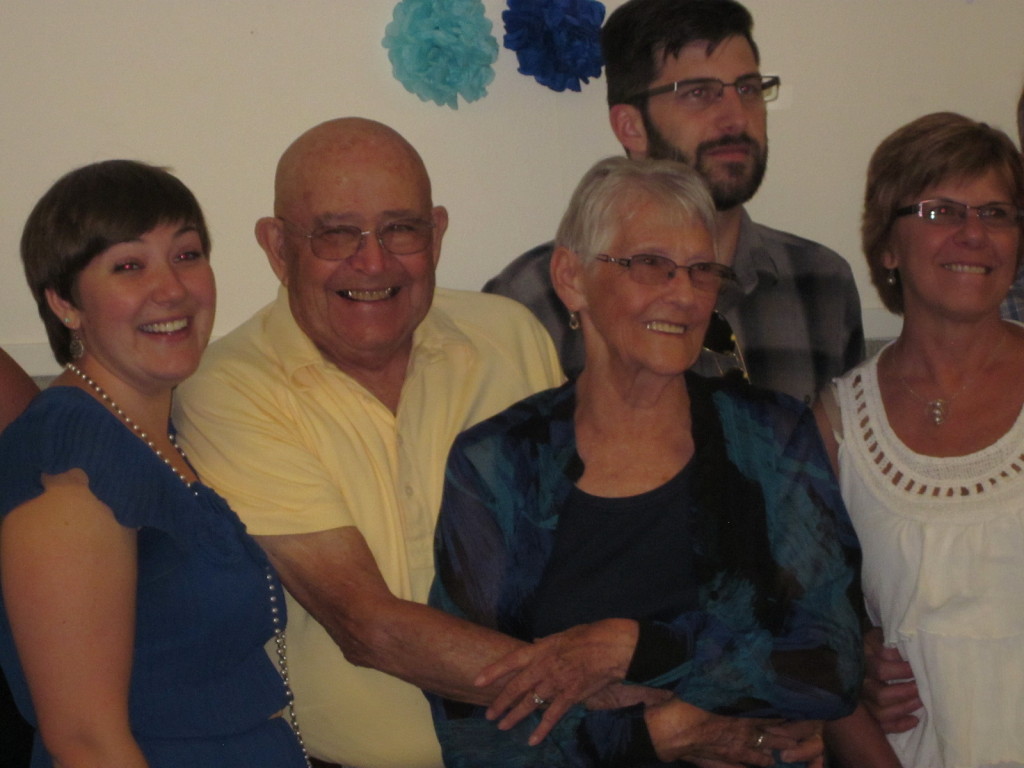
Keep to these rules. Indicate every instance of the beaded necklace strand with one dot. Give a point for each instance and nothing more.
(108, 401)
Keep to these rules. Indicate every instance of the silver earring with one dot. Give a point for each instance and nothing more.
(891, 279)
(574, 320)
(76, 348)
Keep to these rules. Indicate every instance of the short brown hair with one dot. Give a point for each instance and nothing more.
(939, 147)
(640, 34)
(86, 212)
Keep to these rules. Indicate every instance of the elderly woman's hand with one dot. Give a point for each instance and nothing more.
(559, 671)
(681, 731)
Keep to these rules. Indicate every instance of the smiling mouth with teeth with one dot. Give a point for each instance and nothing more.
(377, 295)
(168, 327)
(663, 327)
(972, 269)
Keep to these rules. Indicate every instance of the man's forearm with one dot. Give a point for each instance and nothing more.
(333, 575)
(431, 649)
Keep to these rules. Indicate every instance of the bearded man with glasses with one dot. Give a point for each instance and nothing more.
(684, 83)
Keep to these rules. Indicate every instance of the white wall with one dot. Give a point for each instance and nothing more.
(217, 88)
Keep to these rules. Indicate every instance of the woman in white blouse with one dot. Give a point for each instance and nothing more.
(928, 441)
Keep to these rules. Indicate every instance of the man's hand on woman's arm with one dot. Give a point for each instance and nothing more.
(581, 664)
(889, 693)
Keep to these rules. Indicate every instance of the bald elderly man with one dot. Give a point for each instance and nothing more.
(326, 419)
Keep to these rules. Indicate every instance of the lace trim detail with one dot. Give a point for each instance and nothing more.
(928, 476)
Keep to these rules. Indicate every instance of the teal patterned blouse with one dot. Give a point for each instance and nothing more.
(775, 629)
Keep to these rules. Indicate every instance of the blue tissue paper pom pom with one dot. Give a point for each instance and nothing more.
(556, 41)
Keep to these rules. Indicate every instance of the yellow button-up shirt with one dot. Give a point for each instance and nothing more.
(297, 446)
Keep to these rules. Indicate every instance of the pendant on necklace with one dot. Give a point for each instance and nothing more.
(937, 410)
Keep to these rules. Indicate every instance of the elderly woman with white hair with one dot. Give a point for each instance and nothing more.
(673, 548)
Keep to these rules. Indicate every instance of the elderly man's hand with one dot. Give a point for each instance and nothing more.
(890, 693)
(561, 670)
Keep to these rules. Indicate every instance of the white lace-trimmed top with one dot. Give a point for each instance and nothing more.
(943, 542)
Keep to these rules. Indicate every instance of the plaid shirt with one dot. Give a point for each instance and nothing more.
(1012, 307)
(795, 309)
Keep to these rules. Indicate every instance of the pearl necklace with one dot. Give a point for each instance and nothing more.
(275, 611)
(282, 662)
(131, 424)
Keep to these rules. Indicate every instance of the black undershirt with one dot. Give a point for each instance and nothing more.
(624, 557)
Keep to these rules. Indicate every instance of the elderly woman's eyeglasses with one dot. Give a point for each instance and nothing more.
(651, 269)
(338, 242)
(703, 92)
(950, 213)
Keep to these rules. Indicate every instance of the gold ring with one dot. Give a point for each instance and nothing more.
(538, 701)
(760, 740)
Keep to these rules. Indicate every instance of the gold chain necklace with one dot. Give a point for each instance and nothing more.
(938, 408)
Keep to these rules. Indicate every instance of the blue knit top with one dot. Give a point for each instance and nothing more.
(203, 691)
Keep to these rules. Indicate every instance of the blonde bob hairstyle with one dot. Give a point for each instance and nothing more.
(613, 185)
(937, 148)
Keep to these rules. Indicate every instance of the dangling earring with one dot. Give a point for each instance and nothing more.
(76, 348)
(891, 279)
(574, 320)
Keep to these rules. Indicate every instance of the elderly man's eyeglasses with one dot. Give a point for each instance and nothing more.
(703, 92)
(651, 269)
(338, 242)
(950, 213)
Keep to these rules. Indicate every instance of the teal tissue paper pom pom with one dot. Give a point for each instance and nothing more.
(442, 49)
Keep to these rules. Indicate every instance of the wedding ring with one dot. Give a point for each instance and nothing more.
(759, 741)
(538, 701)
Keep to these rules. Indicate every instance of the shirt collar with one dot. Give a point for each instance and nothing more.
(299, 357)
(752, 262)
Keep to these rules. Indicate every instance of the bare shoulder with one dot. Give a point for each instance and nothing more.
(66, 504)
(17, 387)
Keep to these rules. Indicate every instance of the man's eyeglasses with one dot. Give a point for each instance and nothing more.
(338, 242)
(703, 92)
(950, 213)
(650, 269)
